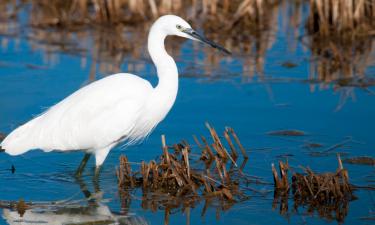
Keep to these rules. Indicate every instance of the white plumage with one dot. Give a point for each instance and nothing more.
(120, 107)
(94, 118)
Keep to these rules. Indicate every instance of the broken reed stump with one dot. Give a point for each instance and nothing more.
(281, 184)
(326, 193)
(323, 188)
(182, 178)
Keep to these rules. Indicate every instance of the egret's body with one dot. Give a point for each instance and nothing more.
(95, 118)
(117, 108)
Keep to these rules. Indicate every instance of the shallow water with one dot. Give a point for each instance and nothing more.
(35, 75)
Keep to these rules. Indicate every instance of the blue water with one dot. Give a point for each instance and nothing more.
(251, 106)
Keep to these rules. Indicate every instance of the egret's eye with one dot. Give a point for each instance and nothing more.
(179, 27)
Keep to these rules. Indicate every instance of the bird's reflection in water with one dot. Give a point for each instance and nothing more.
(91, 210)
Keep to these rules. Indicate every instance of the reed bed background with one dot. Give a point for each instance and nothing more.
(341, 38)
(103, 34)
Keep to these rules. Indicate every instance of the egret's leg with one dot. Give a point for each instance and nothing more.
(97, 172)
(100, 156)
(83, 187)
(91, 197)
(96, 179)
(82, 164)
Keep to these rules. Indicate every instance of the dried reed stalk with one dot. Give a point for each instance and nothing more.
(315, 187)
(338, 30)
(326, 193)
(179, 180)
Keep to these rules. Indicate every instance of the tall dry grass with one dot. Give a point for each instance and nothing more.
(327, 16)
(242, 25)
(8, 21)
(248, 28)
(105, 32)
(340, 36)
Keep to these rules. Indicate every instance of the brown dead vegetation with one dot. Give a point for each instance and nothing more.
(362, 160)
(340, 35)
(336, 33)
(287, 133)
(175, 174)
(181, 178)
(328, 194)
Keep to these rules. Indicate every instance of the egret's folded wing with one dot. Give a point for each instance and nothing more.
(93, 116)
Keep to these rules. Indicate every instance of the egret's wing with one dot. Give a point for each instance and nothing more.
(93, 116)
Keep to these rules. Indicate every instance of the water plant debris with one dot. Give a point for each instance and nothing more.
(181, 177)
(287, 133)
(182, 173)
(325, 193)
(363, 160)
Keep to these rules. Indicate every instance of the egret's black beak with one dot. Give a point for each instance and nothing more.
(203, 39)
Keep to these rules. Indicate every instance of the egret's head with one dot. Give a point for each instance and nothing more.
(174, 25)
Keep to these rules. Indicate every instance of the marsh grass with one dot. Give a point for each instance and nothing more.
(327, 194)
(339, 34)
(186, 175)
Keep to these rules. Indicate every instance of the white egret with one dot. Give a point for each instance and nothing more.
(119, 108)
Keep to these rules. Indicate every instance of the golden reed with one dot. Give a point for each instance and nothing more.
(104, 32)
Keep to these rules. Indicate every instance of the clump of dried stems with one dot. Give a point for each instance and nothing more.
(326, 193)
(181, 178)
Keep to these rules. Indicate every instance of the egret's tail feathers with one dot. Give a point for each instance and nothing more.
(18, 142)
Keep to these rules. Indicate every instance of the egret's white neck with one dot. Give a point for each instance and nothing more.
(165, 65)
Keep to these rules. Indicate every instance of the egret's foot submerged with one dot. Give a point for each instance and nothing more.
(91, 197)
(82, 165)
(83, 187)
